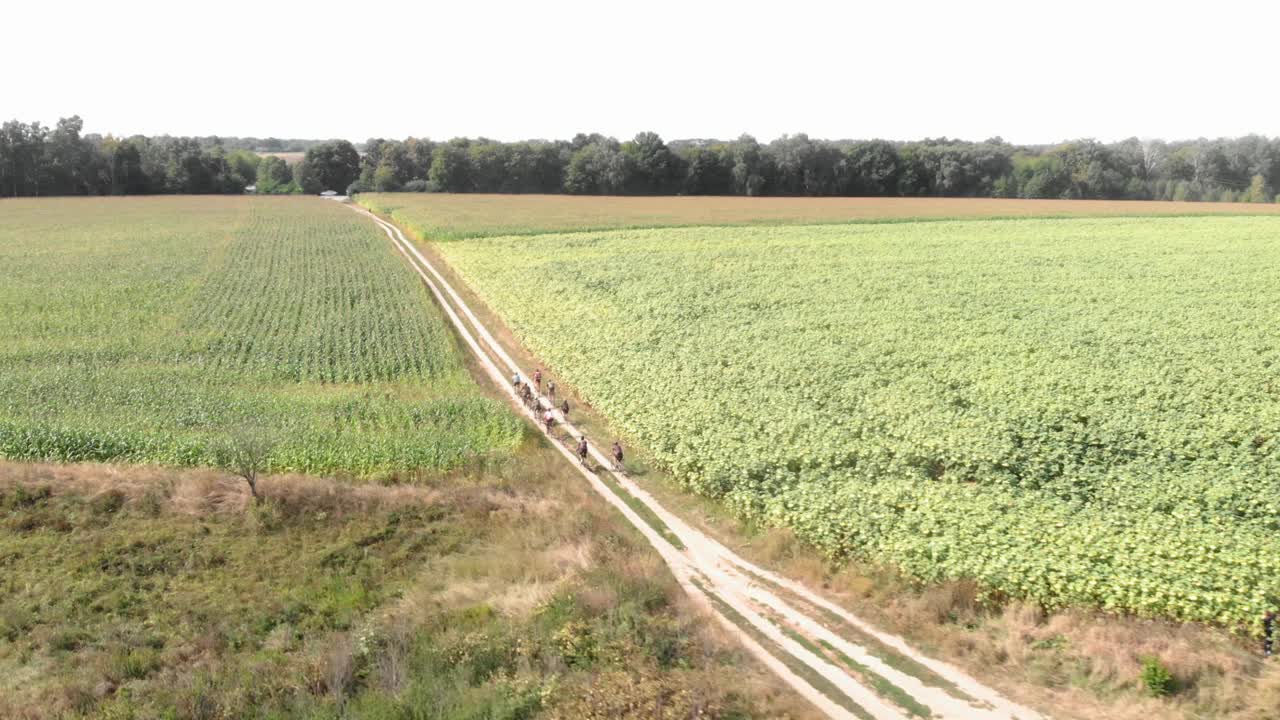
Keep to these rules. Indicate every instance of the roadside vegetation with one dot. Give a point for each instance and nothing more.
(137, 593)
(1076, 663)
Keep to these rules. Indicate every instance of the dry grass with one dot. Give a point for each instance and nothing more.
(290, 158)
(203, 492)
(522, 559)
(444, 216)
(1077, 664)
(533, 548)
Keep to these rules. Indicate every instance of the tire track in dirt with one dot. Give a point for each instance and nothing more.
(863, 673)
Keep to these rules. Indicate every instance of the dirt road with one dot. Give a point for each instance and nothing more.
(837, 661)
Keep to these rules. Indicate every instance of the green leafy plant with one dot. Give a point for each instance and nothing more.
(1156, 678)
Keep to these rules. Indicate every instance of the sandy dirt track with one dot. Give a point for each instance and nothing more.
(837, 661)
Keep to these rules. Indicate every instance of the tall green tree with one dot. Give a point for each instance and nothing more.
(598, 168)
(751, 169)
(21, 153)
(652, 169)
(873, 168)
(307, 179)
(333, 165)
(274, 175)
(244, 166)
(707, 171)
(451, 167)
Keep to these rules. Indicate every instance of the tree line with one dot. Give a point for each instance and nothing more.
(61, 160)
(36, 160)
(1241, 169)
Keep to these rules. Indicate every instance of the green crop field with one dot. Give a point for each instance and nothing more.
(1076, 411)
(149, 329)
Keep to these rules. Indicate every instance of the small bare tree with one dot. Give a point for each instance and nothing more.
(246, 453)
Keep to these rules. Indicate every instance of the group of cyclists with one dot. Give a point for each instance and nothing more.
(529, 394)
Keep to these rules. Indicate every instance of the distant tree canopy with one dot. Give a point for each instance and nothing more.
(331, 166)
(274, 175)
(1244, 169)
(38, 160)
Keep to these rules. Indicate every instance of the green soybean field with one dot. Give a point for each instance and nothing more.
(1077, 411)
(153, 329)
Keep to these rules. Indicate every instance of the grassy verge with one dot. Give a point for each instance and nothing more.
(865, 675)
(894, 659)
(642, 510)
(503, 593)
(881, 685)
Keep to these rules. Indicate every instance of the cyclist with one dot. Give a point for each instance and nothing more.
(551, 390)
(582, 449)
(515, 381)
(548, 419)
(537, 378)
(617, 455)
(564, 408)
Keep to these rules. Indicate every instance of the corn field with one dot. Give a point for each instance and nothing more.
(147, 329)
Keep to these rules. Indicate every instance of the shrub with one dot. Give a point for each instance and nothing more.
(108, 503)
(1156, 678)
(124, 665)
(638, 693)
(23, 497)
(15, 620)
(151, 503)
(576, 644)
(68, 640)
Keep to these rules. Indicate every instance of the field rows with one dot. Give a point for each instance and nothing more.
(144, 330)
(316, 302)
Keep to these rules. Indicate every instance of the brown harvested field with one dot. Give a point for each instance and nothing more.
(290, 158)
(453, 216)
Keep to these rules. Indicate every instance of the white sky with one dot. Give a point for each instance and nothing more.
(1028, 71)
